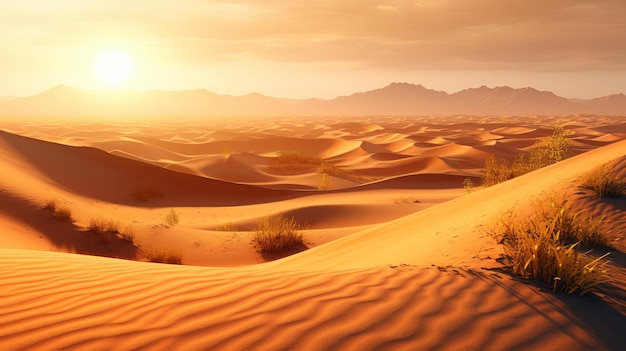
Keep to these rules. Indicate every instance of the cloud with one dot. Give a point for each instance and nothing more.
(389, 34)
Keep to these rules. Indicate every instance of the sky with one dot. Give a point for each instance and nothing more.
(316, 48)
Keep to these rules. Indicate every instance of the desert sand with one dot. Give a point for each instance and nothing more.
(399, 256)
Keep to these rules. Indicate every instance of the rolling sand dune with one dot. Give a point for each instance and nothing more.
(398, 256)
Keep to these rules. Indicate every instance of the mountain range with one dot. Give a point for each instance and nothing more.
(394, 99)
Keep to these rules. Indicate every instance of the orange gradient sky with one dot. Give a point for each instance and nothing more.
(317, 48)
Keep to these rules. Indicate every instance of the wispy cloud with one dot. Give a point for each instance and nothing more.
(405, 35)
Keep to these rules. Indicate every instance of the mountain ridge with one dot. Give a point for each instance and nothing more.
(397, 98)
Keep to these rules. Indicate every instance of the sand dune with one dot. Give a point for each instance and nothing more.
(399, 258)
(59, 301)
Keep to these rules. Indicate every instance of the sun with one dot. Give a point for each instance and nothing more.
(113, 67)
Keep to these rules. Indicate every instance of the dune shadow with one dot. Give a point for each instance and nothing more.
(97, 174)
(282, 254)
(64, 235)
(603, 318)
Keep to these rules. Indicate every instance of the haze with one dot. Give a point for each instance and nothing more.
(323, 49)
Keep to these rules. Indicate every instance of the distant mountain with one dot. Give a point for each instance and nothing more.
(394, 99)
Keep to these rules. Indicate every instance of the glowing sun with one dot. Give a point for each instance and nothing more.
(113, 67)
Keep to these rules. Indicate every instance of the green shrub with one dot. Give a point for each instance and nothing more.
(278, 234)
(604, 182)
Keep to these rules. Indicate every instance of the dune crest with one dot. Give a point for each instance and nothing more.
(399, 256)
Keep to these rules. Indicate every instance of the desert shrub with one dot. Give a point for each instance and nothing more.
(277, 234)
(468, 186)
(227, 227)
(325, 182)
(535, 248)
(546, 151)
(604, 182)
(60, 212)
(297, 156)
(404, 200)
(497, 170)
(128, 234)
(50, 204)
(106, 229)
(573, 227)
(331, 168)
(169, 256)
(554, 148)
(295, 160)
(63, 213)
(172, 217)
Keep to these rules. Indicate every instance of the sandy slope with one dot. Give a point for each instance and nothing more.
(400, 259)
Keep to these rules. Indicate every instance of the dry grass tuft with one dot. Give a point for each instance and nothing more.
(295, 160)
(404, 200)
(573, 227)
(60, 212)
(50, 204)
(227, 227)
(604, 182)
(106, 229)
(325, 182)
(546, 151)
(468, 186)
(128, 234)
(172, 217)
(540, 247)
(169, 256)
(63, 213)
(278, 234)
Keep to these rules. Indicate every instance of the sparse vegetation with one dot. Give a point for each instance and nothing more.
(404, 200)
(128, 234)
(573, 227)
(278, 234)
(497, 170)
(546, 151)
(604, 182)
(295, 160)
(63, 213)
(545, 246)
(106, 229)
(325, 182)
(227, 227)
(169, 256)
(172, 217)
(468, 186)
(50, 204)
(60, 212)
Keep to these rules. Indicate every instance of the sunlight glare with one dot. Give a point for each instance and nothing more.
(113, 67)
